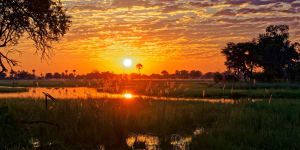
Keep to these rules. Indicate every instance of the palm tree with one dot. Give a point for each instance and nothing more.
(33, 72)
(139, 67)
(74, 73)
(66, 74)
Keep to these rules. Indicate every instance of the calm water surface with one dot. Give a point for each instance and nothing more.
(150, 142)
(85, 93)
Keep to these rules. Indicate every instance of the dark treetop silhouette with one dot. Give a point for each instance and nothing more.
(44, 21)
(272, 52)
(139, 67)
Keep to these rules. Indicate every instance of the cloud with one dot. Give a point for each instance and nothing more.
(192, 29)
(201, 4)
(130, 3)
(225, 12)
(173, 8)
(258, 2)
(296, 4)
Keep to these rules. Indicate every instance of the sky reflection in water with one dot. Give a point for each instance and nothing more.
(88, 93)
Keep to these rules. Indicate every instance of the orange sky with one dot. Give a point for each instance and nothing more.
(161, 34)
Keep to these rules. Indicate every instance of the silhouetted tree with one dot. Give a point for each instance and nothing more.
(63, 75)
(24, 75)
(272, 52)
(43, 21)
(277, 55)
(48, 76)
(195, 74)
(230, 77)
(296, 76)
(218, 77)
(56, 75)
(41, 75)
(208, 75)
(107, 75)
(134, 76)
(139, 67)
(165, 73)
(177, 74)
(71, 76)
(241, 58)
(2, 75)
(66, 71)
(184, 74)
(155, 76)
(33, 73)
(74, 72)
(94, 75)
(12, 74)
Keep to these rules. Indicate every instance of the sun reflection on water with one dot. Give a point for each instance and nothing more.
(128, 95)
(94, 93)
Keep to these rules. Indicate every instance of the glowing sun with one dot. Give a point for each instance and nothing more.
(127, 96)
(127, 62)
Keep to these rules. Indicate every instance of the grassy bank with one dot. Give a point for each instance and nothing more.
(172, 88)
(50, 83)
(12, 90)
(236, 94)
(87, 124)
(138, 84)
(206, 89)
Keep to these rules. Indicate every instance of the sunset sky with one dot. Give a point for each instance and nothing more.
(161, 34)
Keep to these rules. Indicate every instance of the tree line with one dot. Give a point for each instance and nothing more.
(178, 74)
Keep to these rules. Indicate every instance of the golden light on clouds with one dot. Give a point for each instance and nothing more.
(161, 34)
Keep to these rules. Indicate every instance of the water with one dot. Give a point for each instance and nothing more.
(86, 93)
(62, 93)
(134, 141)
(149, 142)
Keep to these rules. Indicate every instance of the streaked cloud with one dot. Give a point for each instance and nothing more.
(170, 29)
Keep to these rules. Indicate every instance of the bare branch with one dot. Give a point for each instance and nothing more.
(44, 21)
(8, 61)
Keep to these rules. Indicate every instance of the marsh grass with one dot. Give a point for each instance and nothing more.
(206, 89)
(12, 90)
(170, 88)
(50, 83)
(93, 123)
(90, 123)
(248, 86)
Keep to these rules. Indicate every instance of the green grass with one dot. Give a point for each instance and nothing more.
(87, 124)
(248, 86)
(257, 126)
(142, 83)
(236, 94)
(208, 89)
(12, 90)
(50, 83)
(172, 88)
